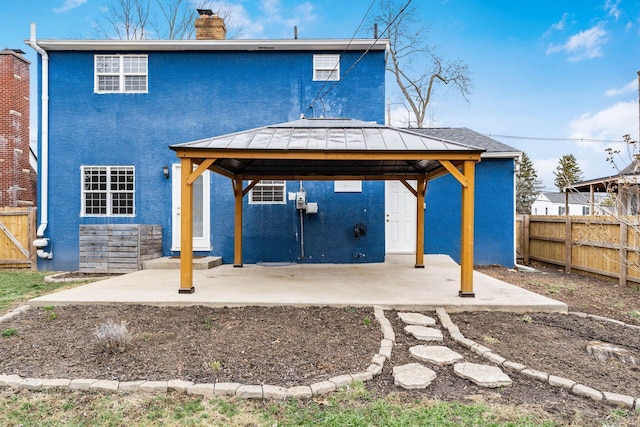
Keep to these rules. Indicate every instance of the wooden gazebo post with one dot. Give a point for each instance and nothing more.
(420, 193)
(237, 235)
(466, 235)
(186, 227)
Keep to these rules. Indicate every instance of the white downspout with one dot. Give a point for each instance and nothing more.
(42, 242)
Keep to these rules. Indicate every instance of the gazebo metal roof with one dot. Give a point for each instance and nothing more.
(328, 149)
(351, 147)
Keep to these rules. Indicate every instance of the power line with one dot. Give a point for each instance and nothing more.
(345, 50)
(548, 138)
(320, 94)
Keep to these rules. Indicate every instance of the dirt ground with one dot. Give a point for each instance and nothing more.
(291, 346)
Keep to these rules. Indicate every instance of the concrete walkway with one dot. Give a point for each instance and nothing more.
(394, 284)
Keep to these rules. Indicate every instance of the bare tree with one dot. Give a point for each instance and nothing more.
(155, 19)
(409, 48)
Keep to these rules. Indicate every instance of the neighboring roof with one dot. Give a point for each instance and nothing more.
(574, 198)
(213, 45)
(328, 147)
(467, 136)
(605, 183)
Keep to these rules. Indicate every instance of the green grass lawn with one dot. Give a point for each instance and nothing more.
(352, 407)
(20, 285)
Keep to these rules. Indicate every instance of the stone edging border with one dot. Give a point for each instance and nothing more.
(614, 399)
(246, 391)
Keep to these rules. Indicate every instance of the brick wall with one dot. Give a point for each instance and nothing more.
(16, 175)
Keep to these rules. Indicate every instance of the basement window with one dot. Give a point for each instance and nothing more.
(326, 67)
(108, 190)
(121, 73)
(268, 192)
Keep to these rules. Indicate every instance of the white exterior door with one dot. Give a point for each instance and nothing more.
(400, 217)
(201, 211)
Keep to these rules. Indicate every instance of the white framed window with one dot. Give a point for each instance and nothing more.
(108, 190)
(326, 67)
(347, 186)
(586, 210)
(561, 210)
(121, 73)
(268, 192)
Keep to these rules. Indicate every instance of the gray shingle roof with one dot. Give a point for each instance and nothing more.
(469, 137)
(574, 198)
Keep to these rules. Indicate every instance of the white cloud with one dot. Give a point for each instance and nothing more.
(559, 26)
(584, 45)
(271, 19)
(630, 87)
(611, 6)
(68, 5)
(608, 124)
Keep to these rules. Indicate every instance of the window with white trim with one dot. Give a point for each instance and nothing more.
(121, 73)
(326, 67)
(268, 192)
(108, 190)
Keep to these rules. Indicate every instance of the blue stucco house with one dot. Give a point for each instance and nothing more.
(109, 111)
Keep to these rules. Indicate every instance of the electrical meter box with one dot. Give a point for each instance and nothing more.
(301, 200)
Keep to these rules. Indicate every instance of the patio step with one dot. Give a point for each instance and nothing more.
(173, 263)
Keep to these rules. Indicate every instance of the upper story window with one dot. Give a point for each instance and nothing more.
(121, 73)
(326, 67)
(267, 191)
(108, 190)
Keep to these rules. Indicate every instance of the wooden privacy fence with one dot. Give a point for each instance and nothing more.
(600, 245)
(17, 232)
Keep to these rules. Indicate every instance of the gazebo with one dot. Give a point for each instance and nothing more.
(328, 149)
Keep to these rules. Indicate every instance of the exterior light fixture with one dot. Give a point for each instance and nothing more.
(165, 171)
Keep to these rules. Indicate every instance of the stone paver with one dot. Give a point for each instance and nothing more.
(273, 392)
(105, 385)
(55, 383)
(619, 399)
(378, 359)
(153, 386)
(413, 376)
(300, 392)
(535, 375)
(375, 369)
(31, 384)
(10, 380)
(179, 386)
(424, 333)
(436, 354)
(513, 366)
(584, 391)
(323, 387)
(362, 376)
(482, 375)
(564, 383)
(342, 380)
(417, 319)
(130, 386)
(225, 389)
(201, 389)
(247, 391)
(81, 383)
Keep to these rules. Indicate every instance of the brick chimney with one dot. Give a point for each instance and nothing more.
(209, 26)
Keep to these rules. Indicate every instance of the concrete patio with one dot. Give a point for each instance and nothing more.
(394, 284)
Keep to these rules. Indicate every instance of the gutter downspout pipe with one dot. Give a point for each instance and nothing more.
(41, 242)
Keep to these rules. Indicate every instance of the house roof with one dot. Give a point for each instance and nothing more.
(574, 198)
(213, 45)
(606, 183)
(328, 148)
(467, 136)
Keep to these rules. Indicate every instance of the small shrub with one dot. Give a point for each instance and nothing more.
(366, 321)
(113, 337)
(216, 365)
(51, 315)
(527, 319)
(9, 332)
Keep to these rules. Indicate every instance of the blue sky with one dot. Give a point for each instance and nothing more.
(556, 74)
